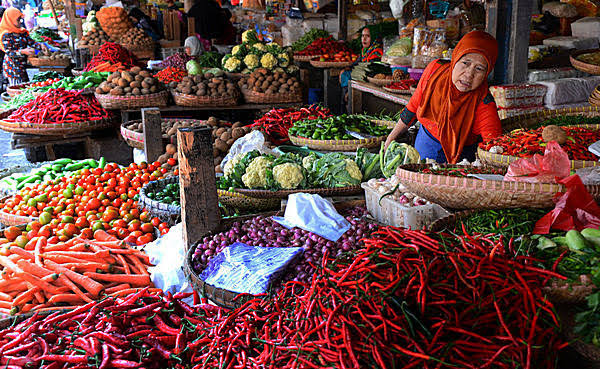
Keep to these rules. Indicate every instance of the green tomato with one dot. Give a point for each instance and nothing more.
(79, 190)
(97, 226)
(68, 193)
(45, 218)
(67, 219)
(32, 202)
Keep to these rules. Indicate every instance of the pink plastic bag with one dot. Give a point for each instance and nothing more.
(550, 167)
(575, 209)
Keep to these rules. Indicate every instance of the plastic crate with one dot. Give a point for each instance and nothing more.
(393, 213)
(165, 52)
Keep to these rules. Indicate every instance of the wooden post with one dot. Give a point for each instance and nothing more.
(191, 26)
(152, 134)
(342, 20)
(53, 12)
(356, 102)
(199, 200)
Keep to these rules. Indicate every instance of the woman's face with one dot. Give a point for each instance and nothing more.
(188, 50)
(19, 22)
(469, 72)
(365, 38)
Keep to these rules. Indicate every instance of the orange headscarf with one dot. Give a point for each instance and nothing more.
(7, 25)
(444, 104)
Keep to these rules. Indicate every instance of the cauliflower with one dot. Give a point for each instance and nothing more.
(232, 64)
(284, 60)
(232, 163)
(249, 36)
(292, 69)
(252, 61)
(307, 162)
(279, 70)
(288, 175)
(259, 48)
(238, 50)
(256, 173)
(353, 169)
(268, 61)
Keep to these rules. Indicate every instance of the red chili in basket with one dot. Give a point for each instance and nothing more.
(112, 53)
(170, 74)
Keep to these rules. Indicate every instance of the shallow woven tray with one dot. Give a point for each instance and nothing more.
(337, 145)
(11, 219)
(584, 67)
(108, 101)
(320, 64)
(386, 123)
(282, 194)
(136, 139)
(397, 91)
(15, 90)
(37, 62)
(379, 82)
(568, 294)
(55, 129)
(194, 101)
(305, 58)
(529, 119)
(165, 212)
(237, 200)
(262, 98)
(471, 193)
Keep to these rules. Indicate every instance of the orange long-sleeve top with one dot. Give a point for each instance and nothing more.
(487, 123)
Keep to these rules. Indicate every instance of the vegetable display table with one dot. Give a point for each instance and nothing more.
(359, 89)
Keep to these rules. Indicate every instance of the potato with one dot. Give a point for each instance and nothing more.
(221, 145)
(220, 131)
(237, 132)
(225, 136)
(170, 149)
(163, 158)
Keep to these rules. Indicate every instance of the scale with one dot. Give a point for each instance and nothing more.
(439, 8)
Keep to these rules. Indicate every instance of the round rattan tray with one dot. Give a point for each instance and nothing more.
(55, 129)
(11, 219)
(194, 101)
(158, 99)
(165, 212)
(337, 145)
(239, 201)
(582, 66)
(262, 98)
(305, 58)
(282, 194)
(15, 90)
(379, 82)
(38, 62)
(587, 350)
(319, 64)
(136, 139)
(471, 193)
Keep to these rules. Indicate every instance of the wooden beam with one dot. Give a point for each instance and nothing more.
(342, 19)
(519, 50)
(199, 200)
(53, 12)
(151, 122)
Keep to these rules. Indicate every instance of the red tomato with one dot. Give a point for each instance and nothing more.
(147, 228)
(87, 233)
(155, 222)
(93, 204)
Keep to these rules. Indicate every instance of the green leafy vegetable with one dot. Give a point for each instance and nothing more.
(396, 154)
(308, 38)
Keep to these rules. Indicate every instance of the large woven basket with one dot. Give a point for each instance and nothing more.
(582, 66)
(52, 129)
(263, 98)
(282, 194)
(239, 201)
(38, 62)
(379, 82)
(13, 220)
(108, 101)
(165, 212)
(337, 145)
(386, 123)
(136, 139)
(499, 160)
(195, 101)
(305, 58)
(472, 193)
(15, 90)
(319, 64)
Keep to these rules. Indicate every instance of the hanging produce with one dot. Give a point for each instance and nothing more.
(114, 20)
(111, 57)
(136, 38)
(94, 36)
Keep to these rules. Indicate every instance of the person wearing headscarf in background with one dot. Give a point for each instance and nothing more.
(144, 22)
(453, 104)
(212, 21)
(16, 44)
(193, 46)
(371, 51)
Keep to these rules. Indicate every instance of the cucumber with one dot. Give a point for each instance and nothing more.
(92, 163)
(575, 241)
(64, 161)
(102, 162)
(592, 236)
(33, 178)
(74, 166)
(57, 167)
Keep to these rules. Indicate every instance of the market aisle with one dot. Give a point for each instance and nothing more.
(9, 157)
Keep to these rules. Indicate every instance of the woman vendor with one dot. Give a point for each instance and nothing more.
(16, 44)
(453, 104)
(193, 46)
(371, 51)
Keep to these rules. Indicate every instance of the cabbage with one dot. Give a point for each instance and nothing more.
(193, 68)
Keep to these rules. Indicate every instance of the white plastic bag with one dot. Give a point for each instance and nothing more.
(254, 140)
(313, 213)
(397, 6)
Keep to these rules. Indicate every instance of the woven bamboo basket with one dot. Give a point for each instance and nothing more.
(5, 97)
(582, 66)
(262, 98)
(55, 129)
(11, 219)
(397, 91)
(108, 101)
(77, 72)
(194, 101)
(305, 58)
(38, 62)
(239, 201)
(165, 212)
(136, 139)
(282, 194)
(471, 193)
(560, 292)
(337, 145)
(386, 123)
(379, 82)
(319, 64)
(499, 160)
(8, 321)
(15, 90)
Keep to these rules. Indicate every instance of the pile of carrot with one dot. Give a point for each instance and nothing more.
(44, 276)
(108, 67)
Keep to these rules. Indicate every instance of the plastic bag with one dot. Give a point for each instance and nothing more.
(397, 7)
(589, 176)
(554, 164)
(249, 269)
(314, 214)
(254, 140)
(399, 47)
(575, 209)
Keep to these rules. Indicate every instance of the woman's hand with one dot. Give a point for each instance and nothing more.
(398, 130)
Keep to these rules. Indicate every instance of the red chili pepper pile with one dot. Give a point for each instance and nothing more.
(526, 143)
(323, 46)
(461, 171)
(114, 54)
(59, 106)
(402, 85)
(140, 330)
(409, 299)
(276, 123)
(170, 74)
